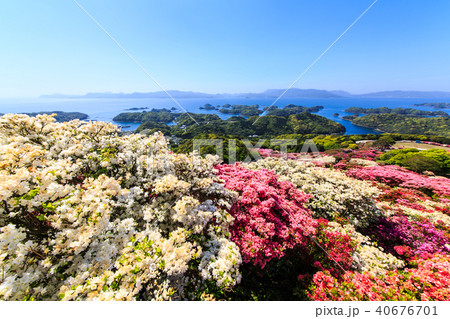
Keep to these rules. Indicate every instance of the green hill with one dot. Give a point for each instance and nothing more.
(396, 123)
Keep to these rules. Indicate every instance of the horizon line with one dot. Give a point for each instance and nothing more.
(237, 93)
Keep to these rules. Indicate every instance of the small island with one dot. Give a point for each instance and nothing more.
(208, 107)
(242, 110)
(291, 109)
(253, 110)
(154, 115)
(136, 108)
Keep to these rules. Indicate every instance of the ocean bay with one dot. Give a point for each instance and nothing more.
(104, 109)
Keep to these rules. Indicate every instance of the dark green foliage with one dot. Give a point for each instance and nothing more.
(188, 119)
(291, 109)
(155, 115)
(420, 163)
(228, 142)
(152, 127)
(384, 142)
(350, 117)
(307, 123)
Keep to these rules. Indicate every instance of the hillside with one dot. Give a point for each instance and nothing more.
(396, 123)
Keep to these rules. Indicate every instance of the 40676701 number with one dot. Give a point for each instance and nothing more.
(407, 310)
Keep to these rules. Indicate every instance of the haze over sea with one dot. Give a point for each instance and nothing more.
(102, 109)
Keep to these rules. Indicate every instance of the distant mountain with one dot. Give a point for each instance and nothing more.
(299, 93)
(160, 94)
(271, 93)
(341, 93)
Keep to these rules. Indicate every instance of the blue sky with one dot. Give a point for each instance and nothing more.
(51, 46)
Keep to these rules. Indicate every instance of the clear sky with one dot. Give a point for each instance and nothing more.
(51, 46)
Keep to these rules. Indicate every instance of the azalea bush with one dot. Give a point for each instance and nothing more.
(89, 214)
(331, 250)
(419, 237)
(367, 256)
(270, 216)
(426, 279)
(395, 176)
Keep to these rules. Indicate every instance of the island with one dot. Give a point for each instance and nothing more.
(252, 110)
(398, 123)
(293, 109)
(137, 108)
(208, 107)
(154, 115)
(242, 110)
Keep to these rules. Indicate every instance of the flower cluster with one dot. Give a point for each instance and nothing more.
(89, 214)
(367, 256)
(421, 237)
(331, 250)
(428, 280)
(333, 193)
(396, 176)
(269, 215)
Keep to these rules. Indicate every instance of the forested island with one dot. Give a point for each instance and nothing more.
(440, 105)
(252, 110)
(154, 115)
(398, 123)
(293, 109)
(242, 110)
(398, 110)
(209, 107)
